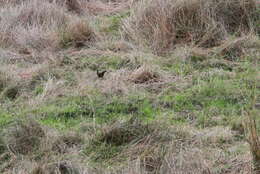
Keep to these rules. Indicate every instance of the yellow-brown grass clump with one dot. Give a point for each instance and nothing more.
(24, 137)
(253, 139)
(35, 28)
(160, 25)
(77, 33)
(144, 75)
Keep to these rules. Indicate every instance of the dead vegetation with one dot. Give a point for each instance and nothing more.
(124, 133)
(106, 7)
(144, 75)
(252, 132)
(33, 31)
(73, 5)
(9, 87)
(3, 80)
(132, 139)
(175, 109)
(253, 140)
(24, 137)
(77, 34)
(163, 25)
(130, 145)
(3, 147)
(29, 139)
(65, 142)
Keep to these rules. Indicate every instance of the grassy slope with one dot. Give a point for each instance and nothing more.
(197, 103)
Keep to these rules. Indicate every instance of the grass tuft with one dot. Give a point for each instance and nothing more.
(65, 142)
(144, 75)
(123, 140)
(77, 34)
(253, 139)
(24, 137)
(163, 25)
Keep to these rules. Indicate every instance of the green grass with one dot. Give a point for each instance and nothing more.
(217, 92)
(102, 152)
(38, 90)
(114, 23)
(70, 111)
(211, 103)
(108, 145)
(5, 118)
(103, 62)
(196, 107)
(62, 123)
(215, 99)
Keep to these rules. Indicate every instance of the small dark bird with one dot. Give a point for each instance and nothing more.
(101, 74)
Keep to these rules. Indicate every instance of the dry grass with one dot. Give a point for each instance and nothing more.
(26, 17)
(253, 139)
(132, 145)
(3, 80)
(124, 133)
(131, 140)
(3, 147)
(9, 86)
(40, 150)
(24, 137)
(125, 81)
(163, 25)
(188, 152)
(144, 75)
(73, 5)
(35, 31)
(115, 83)
(10, 2)
(11, 92)
(62, 167)
(20, 82)
(149, 114)
(106, 7)
(65, 142)
(78, 34)
(238, 48)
